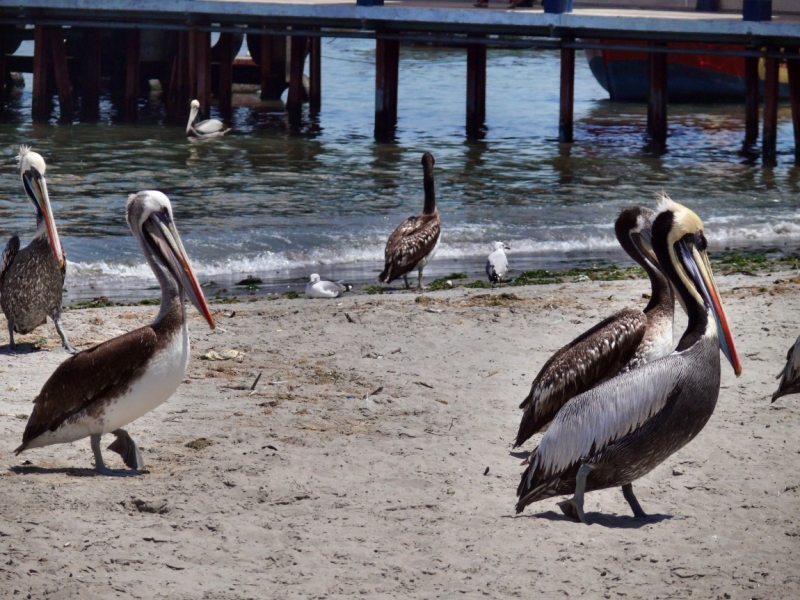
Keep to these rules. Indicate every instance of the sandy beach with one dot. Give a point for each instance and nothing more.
(373, 459)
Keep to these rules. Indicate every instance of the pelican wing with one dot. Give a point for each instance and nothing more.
(84, 381)
(413, 240)
(209, 126)
(595, 356)
(592, 421)
(790, 375)
(9, 254)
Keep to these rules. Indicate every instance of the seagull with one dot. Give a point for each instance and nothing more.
(416, 239)
(315, 288)
(32, 279)
(497, 263)
(623, 428)
(204, 129)
(102, 389)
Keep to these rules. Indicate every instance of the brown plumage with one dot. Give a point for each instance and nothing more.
(414, 242)
(621, 342)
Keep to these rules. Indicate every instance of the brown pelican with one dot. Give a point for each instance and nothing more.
(790, 375)
(315, 288)
(626, 426)
(204, 129)
(102, 389)
(623, 341)
(415, 240)
(32, 279)
(497, 263)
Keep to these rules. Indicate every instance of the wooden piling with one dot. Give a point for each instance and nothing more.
(476, 90)
(133, 54)
(294, 102)
(387, 69)
(750, 101)
(315, 74)
(225, 83)
(59, 55)
(183, 88)
(566, 112)
(90, 76)
(41, 59)
(3, 78)
(793, 67)
(769, 136)
(657, 100)
(202, 40)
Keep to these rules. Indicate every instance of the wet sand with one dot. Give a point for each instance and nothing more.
(317, 485)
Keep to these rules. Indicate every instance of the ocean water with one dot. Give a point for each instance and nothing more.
(279, 205)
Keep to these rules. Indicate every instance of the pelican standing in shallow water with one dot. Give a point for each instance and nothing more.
(32, 279)
(624, 341)
(102, 389)
(204, 129)
(497, 263)
(620, 430)
(416, 239)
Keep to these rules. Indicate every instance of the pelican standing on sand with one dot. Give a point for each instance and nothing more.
(315, 288)
(624, 341)
(620, 430)
(32, 279)
(416, 239)
(102, 389)
(790, 375)
(497, 263)
(204, 129)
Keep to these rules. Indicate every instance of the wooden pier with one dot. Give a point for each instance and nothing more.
(72, 41)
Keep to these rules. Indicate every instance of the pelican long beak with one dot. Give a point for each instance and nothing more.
(699, 269)
(643, 241)
(166, 239)
(36, 188)
(192, 117)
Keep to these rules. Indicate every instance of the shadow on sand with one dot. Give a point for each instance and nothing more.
(20, 348)
(604, 520)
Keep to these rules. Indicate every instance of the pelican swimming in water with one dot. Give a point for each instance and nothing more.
(790, 375)
(623, 341)
(497, 263)
(315, 288)
(416, 239)
(623, 428)
(204, 129)
(32, 279)
(104, 388)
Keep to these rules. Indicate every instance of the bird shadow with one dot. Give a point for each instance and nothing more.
(20, 348)
(34, 470)
(603, 520)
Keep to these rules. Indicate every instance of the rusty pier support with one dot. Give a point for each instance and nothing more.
(657, 100)
(225, 80)
(59, 49)
(49, 53)
(297, 59)
(566, 111)
(90, 76)
(201, 41)
(793, 67)
(41, 62)
(476, 90)
(750, 102)
(769, 137)
(387, 70)
(315, 73)
(132, 60)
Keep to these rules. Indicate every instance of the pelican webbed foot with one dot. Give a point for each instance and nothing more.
(64, 341)
(627, 491)
(127, 449)
(100, 466)
(573, 507)
(405, 278)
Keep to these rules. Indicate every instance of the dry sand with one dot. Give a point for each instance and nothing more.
(312, 489)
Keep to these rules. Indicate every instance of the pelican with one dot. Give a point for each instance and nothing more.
(497, 263)
(623, 341)
(315, 288)
(32, 279)
(620, 430)
(104, 388)
(416, 239)
(204, 129)
(790, 375)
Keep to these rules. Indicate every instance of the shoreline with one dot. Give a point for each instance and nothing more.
(358, 464)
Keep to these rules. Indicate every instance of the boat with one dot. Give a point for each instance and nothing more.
(701, 78)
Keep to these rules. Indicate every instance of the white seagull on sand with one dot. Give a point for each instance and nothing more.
(497, 263)
(315, 288)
